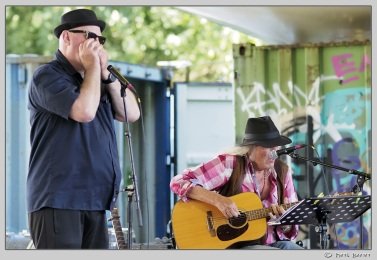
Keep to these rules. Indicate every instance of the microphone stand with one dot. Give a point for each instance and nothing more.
(131, 189)
(361, 178)
(366, 176)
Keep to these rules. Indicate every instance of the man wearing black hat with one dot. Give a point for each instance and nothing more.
(250, 167)
(74, 173)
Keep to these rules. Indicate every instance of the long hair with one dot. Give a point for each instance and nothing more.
(234, 184)
(238, 150)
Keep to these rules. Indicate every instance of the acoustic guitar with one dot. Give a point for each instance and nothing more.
(198, 225)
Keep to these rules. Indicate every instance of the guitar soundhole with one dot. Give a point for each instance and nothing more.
(226, 232)
(237, 226)
(239, 221)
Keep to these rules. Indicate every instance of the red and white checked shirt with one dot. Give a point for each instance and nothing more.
(216, 172)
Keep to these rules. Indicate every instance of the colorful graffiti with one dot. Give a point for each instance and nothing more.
(342, 124)
(344, 65)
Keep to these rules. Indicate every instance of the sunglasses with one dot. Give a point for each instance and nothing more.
(89, 35)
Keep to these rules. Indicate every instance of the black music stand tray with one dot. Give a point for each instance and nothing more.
(320, 211)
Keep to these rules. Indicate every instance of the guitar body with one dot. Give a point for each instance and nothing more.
(198, 225)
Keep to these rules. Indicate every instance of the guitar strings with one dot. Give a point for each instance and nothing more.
(262, 211)
(234, 218)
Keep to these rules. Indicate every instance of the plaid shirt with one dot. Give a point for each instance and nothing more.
(216, 172)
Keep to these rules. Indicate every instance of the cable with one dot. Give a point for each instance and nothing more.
(144, 172)
(144, 145)
(328, 192)
(322, 171)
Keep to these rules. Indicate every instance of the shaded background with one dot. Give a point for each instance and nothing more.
(200, 73)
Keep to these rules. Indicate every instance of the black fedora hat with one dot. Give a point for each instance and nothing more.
(76, 18)
(262, 131)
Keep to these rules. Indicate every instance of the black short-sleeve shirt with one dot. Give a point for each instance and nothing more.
(72, 165)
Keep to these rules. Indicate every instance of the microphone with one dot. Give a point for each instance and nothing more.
(119, 76)
(288, 150)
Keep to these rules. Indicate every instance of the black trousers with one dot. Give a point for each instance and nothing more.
(52, 228)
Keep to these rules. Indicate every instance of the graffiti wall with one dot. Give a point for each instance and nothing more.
(318, 95)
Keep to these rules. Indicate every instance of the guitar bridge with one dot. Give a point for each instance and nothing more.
(210, 224)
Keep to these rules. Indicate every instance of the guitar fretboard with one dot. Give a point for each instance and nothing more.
(118, 229)
(264, 212)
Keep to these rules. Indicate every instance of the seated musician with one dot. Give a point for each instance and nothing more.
(251, 167)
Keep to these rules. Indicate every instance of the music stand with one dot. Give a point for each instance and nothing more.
(320, 211)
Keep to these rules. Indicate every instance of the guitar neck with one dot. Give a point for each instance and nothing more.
(118, 229)
(264, 212)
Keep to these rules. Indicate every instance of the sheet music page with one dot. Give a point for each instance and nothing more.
(276, 221)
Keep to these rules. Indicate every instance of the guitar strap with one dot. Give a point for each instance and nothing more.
(281, 169)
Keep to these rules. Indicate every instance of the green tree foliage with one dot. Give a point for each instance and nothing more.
(135, 34)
